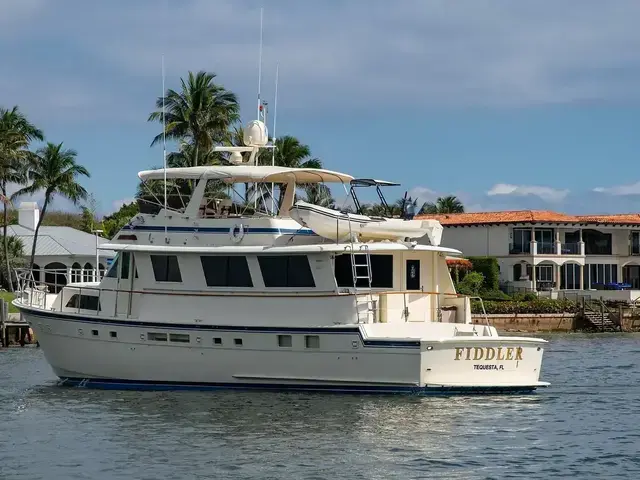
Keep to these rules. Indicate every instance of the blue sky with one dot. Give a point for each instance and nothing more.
(509, 105)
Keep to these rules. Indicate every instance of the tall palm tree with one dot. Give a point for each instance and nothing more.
(201, 114)
(448, 204)
(16, 132)
(54, 170)
(14, 255)
(293, 154)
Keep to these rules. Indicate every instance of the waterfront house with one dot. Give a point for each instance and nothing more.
(63, 254)
(543, 250)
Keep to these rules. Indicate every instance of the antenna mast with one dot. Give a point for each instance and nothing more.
(260, 114)
(164, 155)
(273, 150)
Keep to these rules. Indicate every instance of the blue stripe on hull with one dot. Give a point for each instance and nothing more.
(247, 230)
(120, 384)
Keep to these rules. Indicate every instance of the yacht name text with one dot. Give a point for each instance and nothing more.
(488, 353)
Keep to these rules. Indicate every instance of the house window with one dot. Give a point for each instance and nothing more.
(544, 273)
(166, 268)
(635, 243)
(237, 342)
(312, 341)
(381, 271)
(226, 271)
(157, 337)
(217, 341)
(599, 274)
(521, 241)
(285, 341)
(84, 302)
(596, 243)
(286, 271)
(179, 337)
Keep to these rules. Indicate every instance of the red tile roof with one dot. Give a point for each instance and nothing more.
(530, 216)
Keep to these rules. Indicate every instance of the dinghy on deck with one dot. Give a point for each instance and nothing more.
(338, 226)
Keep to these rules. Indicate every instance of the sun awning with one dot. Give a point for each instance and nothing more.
(248, 174)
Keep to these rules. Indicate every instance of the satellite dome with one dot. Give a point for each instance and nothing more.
(255, 134)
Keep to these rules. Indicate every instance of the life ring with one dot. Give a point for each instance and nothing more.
(236, 233)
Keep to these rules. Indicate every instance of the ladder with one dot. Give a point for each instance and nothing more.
(361, 271)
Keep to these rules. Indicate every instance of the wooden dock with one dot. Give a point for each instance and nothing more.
(13, 330)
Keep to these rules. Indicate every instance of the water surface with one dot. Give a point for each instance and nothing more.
(586, 425)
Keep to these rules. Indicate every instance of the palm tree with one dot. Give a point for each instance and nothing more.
(54, 170)
(293, 154)
(448, 204)
(16, 132)
(13, 255)
(319, 194)
(201, 114)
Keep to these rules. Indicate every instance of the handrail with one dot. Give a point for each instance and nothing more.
(484, 311)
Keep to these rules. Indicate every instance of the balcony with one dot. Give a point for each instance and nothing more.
(570, 248)
(519, 249)
(547, 248)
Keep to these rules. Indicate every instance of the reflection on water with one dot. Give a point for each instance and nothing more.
(584, 426)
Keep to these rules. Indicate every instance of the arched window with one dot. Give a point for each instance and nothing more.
(88, 273)
(55, 276)
(76, 272)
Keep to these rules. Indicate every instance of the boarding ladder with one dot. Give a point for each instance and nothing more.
(361, 271)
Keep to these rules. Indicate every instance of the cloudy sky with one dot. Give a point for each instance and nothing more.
(527, 104)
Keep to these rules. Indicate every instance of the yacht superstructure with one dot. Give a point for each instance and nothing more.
(206, 292)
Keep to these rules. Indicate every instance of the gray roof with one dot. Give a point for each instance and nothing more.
(53, 241)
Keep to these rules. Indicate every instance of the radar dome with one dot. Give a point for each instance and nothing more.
(255, 134)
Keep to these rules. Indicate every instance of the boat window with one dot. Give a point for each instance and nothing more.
(286, 271)
(238, 342)
(113, 270)
(179, 337)
(157, 337)
(84, 302)
(126, 259)
(312, 341)
(94, 333)
(226, 271)
(113, 334)
(166, 268)
(285, 341)
(217, 341)
(381, 271)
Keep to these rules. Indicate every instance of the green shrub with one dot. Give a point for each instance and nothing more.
(488, 267)
(494, 295)
(471, 284)
(524, 296)
(540, 305)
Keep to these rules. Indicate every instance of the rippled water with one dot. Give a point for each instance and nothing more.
(586, 425)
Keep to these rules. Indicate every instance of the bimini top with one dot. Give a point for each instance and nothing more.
(249, 174)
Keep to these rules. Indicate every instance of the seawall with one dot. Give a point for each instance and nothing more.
(544, 322)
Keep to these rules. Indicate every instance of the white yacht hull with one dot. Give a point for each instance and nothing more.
(82, 351)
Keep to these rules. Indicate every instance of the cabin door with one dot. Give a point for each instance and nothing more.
(125, 277)
(417, 303)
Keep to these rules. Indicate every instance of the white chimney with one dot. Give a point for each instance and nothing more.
(28, 214)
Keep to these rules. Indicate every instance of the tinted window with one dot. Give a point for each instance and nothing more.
(126, 258)
(231, 271)
(286, 271)
(166, 268)
(381, 271)
(85, 302)
(113, 270)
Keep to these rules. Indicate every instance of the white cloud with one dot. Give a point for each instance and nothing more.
(468, 52)
(545, 193)
(620, 190)
(422, 194)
